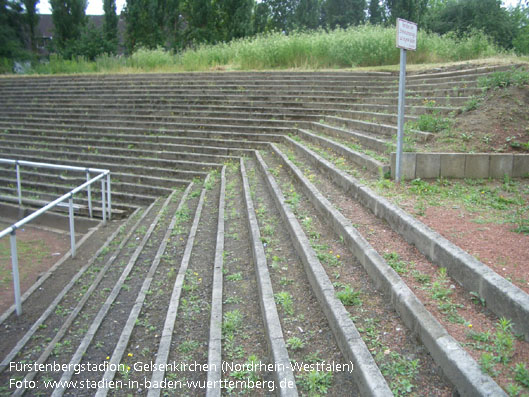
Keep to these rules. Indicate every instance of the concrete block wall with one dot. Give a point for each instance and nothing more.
(461, 165)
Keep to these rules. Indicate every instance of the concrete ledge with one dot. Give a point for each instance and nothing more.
(361, 159)
(366, 140)
(274, 332)
(366, 373)
(465, 374)
(461, 165)
(502, 297)
(119, 351)
(215, 324)
(172, 310)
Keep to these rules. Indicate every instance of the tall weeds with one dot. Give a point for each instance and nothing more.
(341, 48)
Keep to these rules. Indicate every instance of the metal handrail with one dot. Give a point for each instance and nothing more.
(106, 207)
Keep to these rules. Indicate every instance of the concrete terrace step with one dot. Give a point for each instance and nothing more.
(172, 122)
(124, 152)
(284, 89)
(274, 115)
(235, 266)
(172, 97)
(296, 113)
(375, 128)
(369, 141)
(260, 103)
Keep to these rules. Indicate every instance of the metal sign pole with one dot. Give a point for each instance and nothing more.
(402, 100)
(406, 40)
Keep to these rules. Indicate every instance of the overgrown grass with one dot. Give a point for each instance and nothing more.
(504, 79)
(360, 46)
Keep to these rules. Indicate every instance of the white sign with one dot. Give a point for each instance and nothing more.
(406, 34)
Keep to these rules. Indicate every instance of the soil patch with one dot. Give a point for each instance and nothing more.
(496, 245)
(500, 123)
(38, 250)
(496, 123)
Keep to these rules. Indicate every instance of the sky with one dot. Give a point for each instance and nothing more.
(95, 7)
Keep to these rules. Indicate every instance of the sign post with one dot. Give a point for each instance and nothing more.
(406, 40)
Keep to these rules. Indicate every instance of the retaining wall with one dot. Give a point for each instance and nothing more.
(461, 165)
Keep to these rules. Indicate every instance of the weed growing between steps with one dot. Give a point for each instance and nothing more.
(54, 323)
(145, 337)
(111, 328)
(483, 201)
(351, 144)
(402, 361)
(458, 310)
(191, 334)
(305, 329)
(244, 341)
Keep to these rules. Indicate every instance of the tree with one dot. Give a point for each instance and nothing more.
(376, 15)
(463, 16)
(172, 24)
(145, 23)
(90, 44)
(343, 13)
(32, 20)
(519, 16)
(234, 18)
(281, 13)
(11, 34)
(411, 10)
(261, 18)
(110, 24)
(68, 20)
(198, 16)
(308, 14)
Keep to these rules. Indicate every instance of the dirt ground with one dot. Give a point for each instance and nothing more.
(499, 123)
(38, 250)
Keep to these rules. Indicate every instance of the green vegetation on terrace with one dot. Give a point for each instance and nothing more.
(360, 46)
(489, 200)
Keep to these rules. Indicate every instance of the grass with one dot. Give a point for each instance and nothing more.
(431, 123)
(30, 255)
(315, 382)
(349, 297)
(487, 200)
(295, 343)
(399, 370)
(284, 299)
(393, 260)
(360, 46)
(504, 79)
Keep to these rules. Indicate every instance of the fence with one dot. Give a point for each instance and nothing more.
(106, 209)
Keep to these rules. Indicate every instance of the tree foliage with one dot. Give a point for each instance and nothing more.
(342, 13)
(11, 29)
(110, 24)
(308, 14)
(234, 19)
(411, 10)
(32, 21)
(145, 22)
(68, 20)
(198, 16)
(376, 14)
(463, 16)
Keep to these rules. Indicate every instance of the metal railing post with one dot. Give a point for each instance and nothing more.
(109, 195)
(16, 278)
(19, 183)
(72, 225)
(89, 190)
(103, 202)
